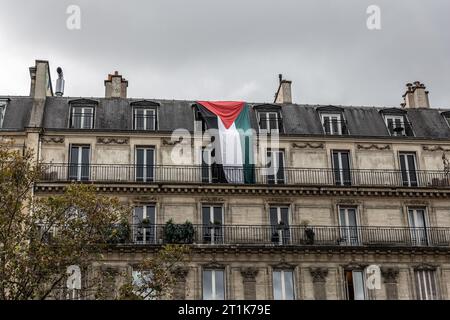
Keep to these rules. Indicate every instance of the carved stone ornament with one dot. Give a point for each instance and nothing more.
(425, 267)
(212, 200)
(376, 147)
(434, 148)
(249, 274)
(53, 139)
(168, 142)
(308, 145)
(390, 275)
(180, 273)
(112, 140)
(319, 274)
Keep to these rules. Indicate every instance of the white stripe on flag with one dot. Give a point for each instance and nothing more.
(231, 152)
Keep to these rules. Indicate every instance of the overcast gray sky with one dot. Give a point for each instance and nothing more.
(233, 49)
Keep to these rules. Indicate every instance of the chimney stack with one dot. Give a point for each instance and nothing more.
(116, 86)
(415, 96)
(284, 94)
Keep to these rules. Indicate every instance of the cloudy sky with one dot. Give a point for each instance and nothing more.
(233, 49)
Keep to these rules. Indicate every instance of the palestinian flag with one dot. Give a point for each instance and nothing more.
(234, 138)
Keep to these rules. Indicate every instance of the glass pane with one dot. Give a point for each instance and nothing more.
(139, 119)
(218, 215)
(403, 170)
(85, 155)
(207, 285)
(138, 214)
(273, 121)
(277, 293)
(337, 168)
(151, 119)
(206, 219)
(412, 169)
(346, 167)
(76, 118)
(88, 117)
(327, 125)
(150, 164)
(280, 172)
(139, 164)
(358, 285)
(289, 285)
(219, 282)
(73, 167)
(263, 121)
(273, 216)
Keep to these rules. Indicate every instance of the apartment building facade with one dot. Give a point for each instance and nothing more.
(357, 208)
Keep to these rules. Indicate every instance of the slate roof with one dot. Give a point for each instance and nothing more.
(113, 114)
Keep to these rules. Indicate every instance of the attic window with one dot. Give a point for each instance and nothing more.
(3, 104)
(398, 125)
(446, 116)
(82, 113)
(145, 115)
(333, 123)
(269, 118)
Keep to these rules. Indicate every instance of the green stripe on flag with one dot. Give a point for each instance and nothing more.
(243, 126)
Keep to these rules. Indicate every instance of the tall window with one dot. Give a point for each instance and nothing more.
(212, 218)
(355, 285)
(408, 167)
(417, 223)
(141, 281)
(333, 123)
(269, 121)
(79, 162)
(145, 164)
(341, 166)
(283, 285)
(144, 119)
(279, 220)
(144, 224)
(348, 226)
(426, 285)
(2, 112)
(398, 125)
(275, 165)
(82, 117)
(213, 284)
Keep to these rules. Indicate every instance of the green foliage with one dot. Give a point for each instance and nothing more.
(179, 233)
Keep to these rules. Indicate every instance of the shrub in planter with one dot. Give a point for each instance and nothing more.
(118, 233)
(178, 233)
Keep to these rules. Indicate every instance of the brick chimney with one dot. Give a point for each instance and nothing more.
(284, 94)
(116, 86)
(415, 96)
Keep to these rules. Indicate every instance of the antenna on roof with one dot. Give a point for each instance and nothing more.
(60, 83)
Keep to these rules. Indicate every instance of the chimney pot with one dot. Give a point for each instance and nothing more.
(416, 96)
(116, 86)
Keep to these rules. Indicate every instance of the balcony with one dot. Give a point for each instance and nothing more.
(267, 235)
(113, 173)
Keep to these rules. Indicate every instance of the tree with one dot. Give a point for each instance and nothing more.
(40, 237)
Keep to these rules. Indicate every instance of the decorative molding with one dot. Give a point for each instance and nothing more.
(283, 265)
(212, 200)
(144, 103)
(146, 199)
(434, 148)
(378, 147)
(355, 266)
(319, 274)
(83, 102)
(213, 265)
(53, 139)
(425, 267)
(113, 140)
(309, 145)
(390, 275)
(249, 274)
(167, 142)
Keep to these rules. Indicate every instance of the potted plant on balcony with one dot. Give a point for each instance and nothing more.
(309, 232)
(118, 233)
(179, 233)
(145, 223)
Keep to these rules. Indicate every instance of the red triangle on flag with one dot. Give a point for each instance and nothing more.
(227, 111)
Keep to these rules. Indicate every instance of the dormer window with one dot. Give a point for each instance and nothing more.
(2, 112)
(145, 115)
(446, 116)
(82, 117)
(398, 126)
(269, 121)
(333, 123)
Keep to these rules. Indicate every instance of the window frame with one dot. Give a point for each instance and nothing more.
(342, 181)
(340, 121)
(82, 117)
(214, 239)
(276, 181)
(145, 213)
(395, 117)
(267, 113)
(144, 177)
(422, 287)
(79, 163)
(349, 238)
(417, 237)
(213, 283)
(408, 171)
(145, 110)
(284, 235)
(3, 106)
(283, 283)
(362, 271)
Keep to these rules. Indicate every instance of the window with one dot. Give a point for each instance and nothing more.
(398, 125)
(275, 166)
(417, 223)
(269, 121)
(79, 162)
(408, 169)
(333, 123)
(141, 287)
(82, 118)
(144, 221)
(2, 112)
(348, 226)
(341, 166)
(145, 164)
(446, 116)
(279, 220)
(199, 121)
(144, 119)
(212, 218)
(213, 284)
(355, 285)
(283, 285)
(426, 285)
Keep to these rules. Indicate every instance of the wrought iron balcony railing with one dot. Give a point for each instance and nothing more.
(290, 235)
(124, 173)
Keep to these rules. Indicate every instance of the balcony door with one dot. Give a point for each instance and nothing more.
(348, 226)
(144, 224)
(275, 165)
(417, 222)
(408, 167)
(212, 216)
(279, 221)
(341, 167)
(79, 163)
(145, 164)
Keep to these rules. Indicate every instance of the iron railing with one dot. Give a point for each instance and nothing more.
(295, 235)
(114, 173)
